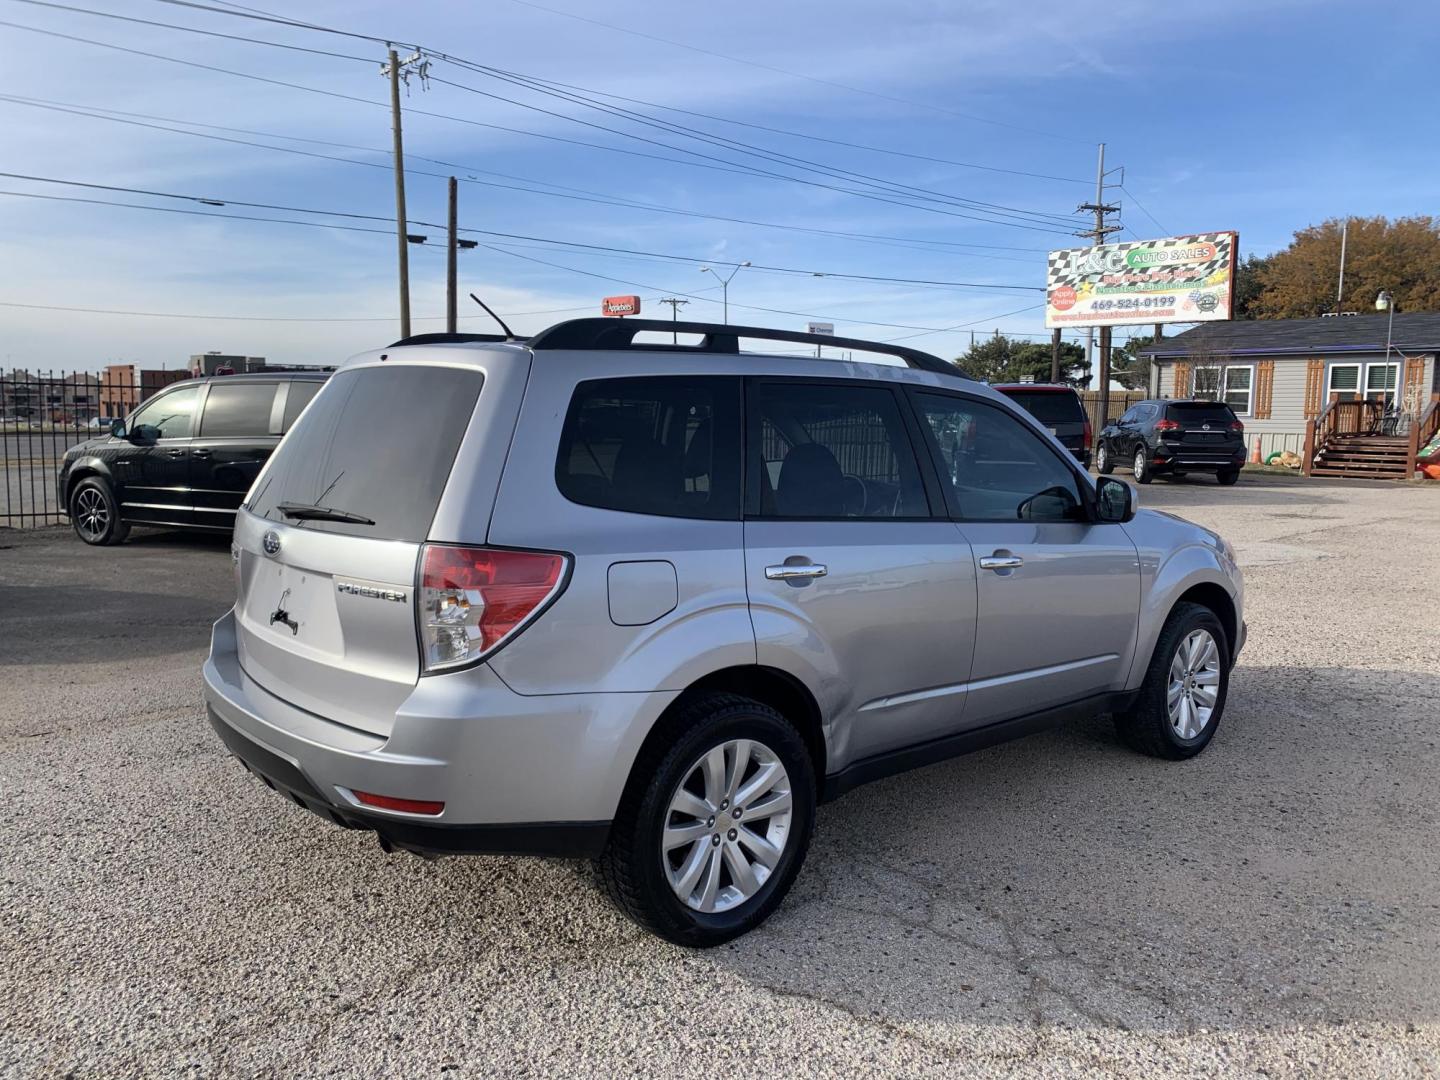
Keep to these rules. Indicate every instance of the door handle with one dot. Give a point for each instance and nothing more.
(1001, 562)
(178, 453)
(200, 453)
(792, 573)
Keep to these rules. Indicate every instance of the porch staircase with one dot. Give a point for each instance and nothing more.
(1377, 457)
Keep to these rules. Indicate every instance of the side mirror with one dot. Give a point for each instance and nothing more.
(1115, 501)
(144, 435)
(117, 429)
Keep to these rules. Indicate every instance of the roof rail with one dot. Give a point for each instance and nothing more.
(440, 338)
(601, 333)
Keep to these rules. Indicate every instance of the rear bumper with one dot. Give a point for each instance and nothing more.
(1220, 457)
(535, 775)
(565, 839)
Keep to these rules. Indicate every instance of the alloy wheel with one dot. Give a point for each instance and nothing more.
(1140, 463)
(1102, 458)
(727, 826)
(1194, 684)
(92, 515)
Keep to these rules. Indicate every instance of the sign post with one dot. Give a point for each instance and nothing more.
(826, 328)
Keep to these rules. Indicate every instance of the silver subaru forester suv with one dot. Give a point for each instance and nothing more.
(651, 603)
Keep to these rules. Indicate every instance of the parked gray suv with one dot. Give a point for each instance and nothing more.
(589, 595)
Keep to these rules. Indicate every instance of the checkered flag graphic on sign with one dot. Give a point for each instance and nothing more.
(1074, 265)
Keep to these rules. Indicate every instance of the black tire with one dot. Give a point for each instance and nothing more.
(1228, 476)
(1103, 464)
(631, 867)
(95, 513)
(1141, 467)
(1146, 726)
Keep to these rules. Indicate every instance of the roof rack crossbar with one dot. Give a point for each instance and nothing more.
(604, 333)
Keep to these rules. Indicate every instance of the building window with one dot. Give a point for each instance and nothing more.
(1373, 382)
(1231, 384)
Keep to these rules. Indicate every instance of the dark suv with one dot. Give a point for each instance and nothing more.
(1174, 438)
(185, 458)
(1059, 409)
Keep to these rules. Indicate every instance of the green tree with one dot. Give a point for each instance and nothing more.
(1401, 256)
(1001, 359)
(1127, 366)
(1248, 272)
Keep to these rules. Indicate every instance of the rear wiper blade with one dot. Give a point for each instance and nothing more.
(303, 512)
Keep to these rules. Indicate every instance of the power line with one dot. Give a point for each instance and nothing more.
(691, 259)
(583, 194)
(256, 13)
(1139, 206)
(909, 191)
(709, 161)
(792, 74)
(542, 86)
(802, 135)
(278, 318)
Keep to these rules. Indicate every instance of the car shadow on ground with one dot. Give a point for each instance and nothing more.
(1287, 875)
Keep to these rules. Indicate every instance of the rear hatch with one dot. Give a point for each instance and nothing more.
(1205, 427)
(1056, 407)
(328, 543)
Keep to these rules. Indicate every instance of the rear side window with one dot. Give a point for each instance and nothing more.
(298, 397)
(1195, 412)
(237, 409)
(664, 445)
(1049, 406)
(820, 450)
(379, 443)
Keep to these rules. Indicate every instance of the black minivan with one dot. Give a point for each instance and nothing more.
(183, 459)
(1174, 438)
(1057, 407)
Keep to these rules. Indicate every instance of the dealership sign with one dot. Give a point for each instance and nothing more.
(620, 305)
(1179, 279)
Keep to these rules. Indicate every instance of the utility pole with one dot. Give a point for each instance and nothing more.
(1098, 234)
(452, 247)
(1340, 289)
(1055, 355)
(675, 305)
(393, 70)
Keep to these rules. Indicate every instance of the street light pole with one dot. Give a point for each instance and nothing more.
(1386, 302)
(725, 285)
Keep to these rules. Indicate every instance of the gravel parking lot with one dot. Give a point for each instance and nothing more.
(1054, 907)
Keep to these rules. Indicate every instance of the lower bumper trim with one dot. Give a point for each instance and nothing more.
(559, 839)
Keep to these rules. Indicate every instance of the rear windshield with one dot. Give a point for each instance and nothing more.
(377, 443)
(1049, 406)
(1194, 412)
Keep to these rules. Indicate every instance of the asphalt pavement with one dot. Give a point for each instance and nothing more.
(1054, 907)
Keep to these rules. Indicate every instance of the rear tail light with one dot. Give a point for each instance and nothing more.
(1237, 427)
(1167, 425)
(1087, 436)
(472, 599)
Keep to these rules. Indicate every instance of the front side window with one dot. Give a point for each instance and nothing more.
(236, 409)
(994, 467)
(823, 451)
(666, 445)
(170, 414)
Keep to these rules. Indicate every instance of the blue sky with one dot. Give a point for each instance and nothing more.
(1261, 116)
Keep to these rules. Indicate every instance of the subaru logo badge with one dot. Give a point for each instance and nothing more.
(271, 542)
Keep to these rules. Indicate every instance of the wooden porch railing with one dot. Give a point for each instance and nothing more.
(1421, 432)
(1358, 417)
